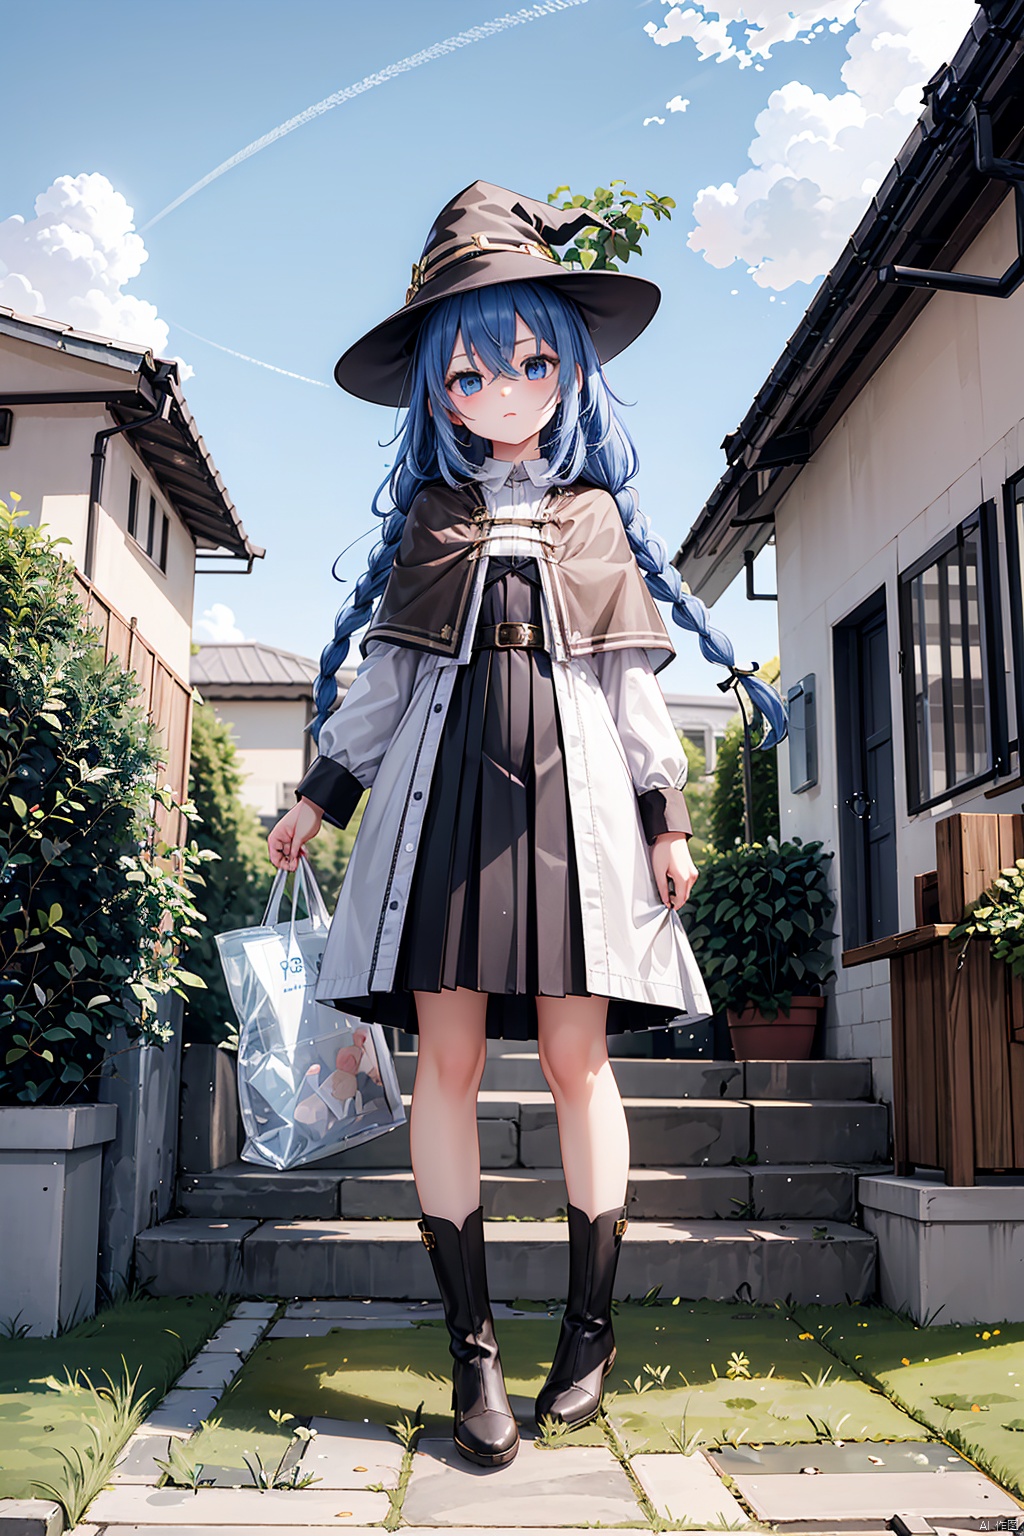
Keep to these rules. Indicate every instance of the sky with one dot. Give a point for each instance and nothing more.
(770, 122)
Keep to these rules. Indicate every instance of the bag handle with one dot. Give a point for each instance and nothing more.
(304, 880)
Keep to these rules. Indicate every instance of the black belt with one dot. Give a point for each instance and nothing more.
(509, 637)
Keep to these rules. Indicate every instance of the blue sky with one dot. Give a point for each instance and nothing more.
(294, 253)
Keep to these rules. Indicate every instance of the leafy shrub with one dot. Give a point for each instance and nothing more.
(758, 922)
(999, 916)
(92, 905)
(237, 883)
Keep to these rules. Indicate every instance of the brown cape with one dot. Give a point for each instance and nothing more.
(601, 599)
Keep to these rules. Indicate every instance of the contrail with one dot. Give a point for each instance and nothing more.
(245, 356)
(425, 56)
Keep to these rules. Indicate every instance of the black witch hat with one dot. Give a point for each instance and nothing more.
(488, 235)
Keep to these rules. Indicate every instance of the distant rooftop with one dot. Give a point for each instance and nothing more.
(250, 670)
(169, 445)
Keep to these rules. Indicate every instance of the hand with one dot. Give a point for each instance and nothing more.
(292, 832)
(671, 861)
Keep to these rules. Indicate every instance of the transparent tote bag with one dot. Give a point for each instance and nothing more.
(312, 1081)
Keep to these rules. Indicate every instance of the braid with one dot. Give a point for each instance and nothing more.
(353, 614)
(665, 584)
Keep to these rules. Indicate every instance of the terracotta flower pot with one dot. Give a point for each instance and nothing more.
(787, 1037)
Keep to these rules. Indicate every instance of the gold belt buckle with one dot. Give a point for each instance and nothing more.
(620, 1226)
(509, 635)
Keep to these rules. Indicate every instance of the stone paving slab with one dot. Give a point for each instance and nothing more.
(30, 1517)
(586, 1481)
(349, 1455)
(212, 1369)
(180, 1413)
(342, 1307)
(137, 1460)
(686, 1488)
(248, 1508)
(319, 1327)
(262, 1309)
(788, 1497)
(240, 1530)
(241, 1334)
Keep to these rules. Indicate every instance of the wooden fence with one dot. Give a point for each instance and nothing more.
(957, 1022)
(166, 697)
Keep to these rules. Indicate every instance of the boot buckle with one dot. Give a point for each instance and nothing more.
(429, 1240)
(620, 1226)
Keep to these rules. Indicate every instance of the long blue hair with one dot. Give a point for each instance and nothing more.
(584, 440)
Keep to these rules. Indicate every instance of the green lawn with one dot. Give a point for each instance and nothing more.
(46, 1405)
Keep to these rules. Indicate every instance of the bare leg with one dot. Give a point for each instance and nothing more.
(443, 1134)
(592, 1128)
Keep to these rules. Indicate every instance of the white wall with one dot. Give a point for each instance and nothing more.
(936, 432)
(49, 463)
(271, 745)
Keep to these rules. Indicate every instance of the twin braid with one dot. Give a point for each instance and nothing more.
(665, 584)
(354, 613)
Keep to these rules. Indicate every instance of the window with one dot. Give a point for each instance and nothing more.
(1014, 511)
(6, 423)
(152, 531)
(951, 659)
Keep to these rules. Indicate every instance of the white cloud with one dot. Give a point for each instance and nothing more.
(763, 23)
(653, 120)
(72, 261)
(678, 104)
(816, 160)
(217, 626)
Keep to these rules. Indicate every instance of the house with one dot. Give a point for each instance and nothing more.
(98, 440)
(884, 455)
(265, 695)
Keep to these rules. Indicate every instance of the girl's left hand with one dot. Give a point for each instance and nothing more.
(671, 861)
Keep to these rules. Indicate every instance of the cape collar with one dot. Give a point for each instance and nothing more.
(494, 473)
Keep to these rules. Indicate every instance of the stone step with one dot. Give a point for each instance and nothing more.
(513, 1071)
(664, 1133)
(825, 1262)
(810, 1192)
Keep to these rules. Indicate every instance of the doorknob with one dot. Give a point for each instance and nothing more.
(860, 804)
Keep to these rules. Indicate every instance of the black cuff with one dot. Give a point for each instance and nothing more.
(663, 810)
(330, 786)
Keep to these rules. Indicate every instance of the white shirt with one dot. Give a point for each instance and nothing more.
(514, 494)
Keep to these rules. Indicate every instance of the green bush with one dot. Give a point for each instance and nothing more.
(758, 922)
(92, 905)
(237, 883)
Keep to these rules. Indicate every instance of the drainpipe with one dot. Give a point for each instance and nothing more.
(99, 458)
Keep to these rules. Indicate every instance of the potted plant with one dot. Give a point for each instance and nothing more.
(758, 922)
(93, 907)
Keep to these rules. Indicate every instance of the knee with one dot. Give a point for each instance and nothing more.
(453, 1067)
(570, 1060)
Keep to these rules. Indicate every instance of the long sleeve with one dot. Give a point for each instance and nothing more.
(354, 739)
(657, 762)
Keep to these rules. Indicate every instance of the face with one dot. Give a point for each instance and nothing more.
(509, 412)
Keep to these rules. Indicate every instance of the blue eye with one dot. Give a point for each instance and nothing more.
(466, 384)
(537, 367)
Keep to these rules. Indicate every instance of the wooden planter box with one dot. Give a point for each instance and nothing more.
(957, 1027)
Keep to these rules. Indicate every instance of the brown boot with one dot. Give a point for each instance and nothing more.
(585, 1352)
(485, 1428)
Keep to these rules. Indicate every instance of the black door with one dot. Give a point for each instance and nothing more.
(867, 797)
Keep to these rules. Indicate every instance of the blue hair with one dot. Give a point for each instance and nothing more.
(584, 439)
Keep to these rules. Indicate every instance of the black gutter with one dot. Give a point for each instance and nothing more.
(162, 385)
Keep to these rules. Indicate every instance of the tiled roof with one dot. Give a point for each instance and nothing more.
(250, 662)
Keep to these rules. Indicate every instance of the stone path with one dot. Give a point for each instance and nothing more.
(363, 1479)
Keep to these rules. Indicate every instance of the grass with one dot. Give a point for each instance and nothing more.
(67, 1404)
(964, 1382)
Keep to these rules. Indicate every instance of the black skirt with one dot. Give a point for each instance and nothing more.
(495, 902)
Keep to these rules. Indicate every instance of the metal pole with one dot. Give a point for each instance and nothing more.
(748, 774)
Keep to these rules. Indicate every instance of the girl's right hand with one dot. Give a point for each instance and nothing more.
(292, 832)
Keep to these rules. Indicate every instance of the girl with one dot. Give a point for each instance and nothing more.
(522, 859)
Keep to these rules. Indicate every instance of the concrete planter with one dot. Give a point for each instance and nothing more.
(948, 1253)
(51, 1162)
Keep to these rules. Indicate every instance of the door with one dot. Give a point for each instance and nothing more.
(867, 795)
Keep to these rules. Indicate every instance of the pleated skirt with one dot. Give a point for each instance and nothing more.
(495, 903)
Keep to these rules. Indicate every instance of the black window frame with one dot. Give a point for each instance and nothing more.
(152, 536)
(133, 506)
(983, 520)
(1015, 587)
